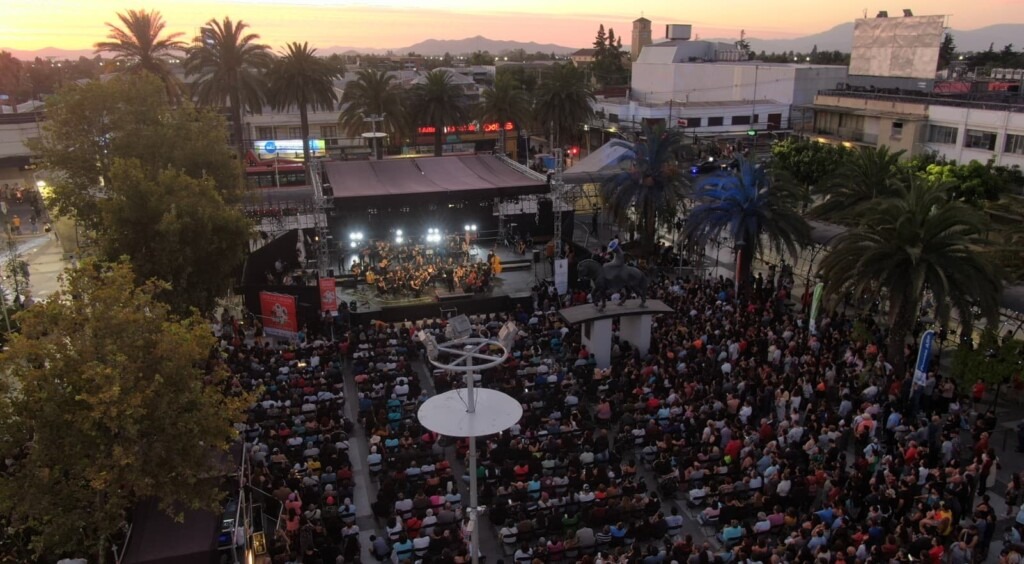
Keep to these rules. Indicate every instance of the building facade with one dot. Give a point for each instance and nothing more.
(953, 127)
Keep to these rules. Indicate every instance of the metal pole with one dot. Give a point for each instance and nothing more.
(474, 517)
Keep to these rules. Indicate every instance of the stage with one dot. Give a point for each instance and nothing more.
(515, 283)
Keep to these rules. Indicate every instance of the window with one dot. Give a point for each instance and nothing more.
(942, 134)
(265, 133)
(715, 121)
(1014, 144)
(328, 131)
(613, 118)
(978, 139)
(295, 132)
(897, 130)
(741, 120)
(774, 121)
(690, 122)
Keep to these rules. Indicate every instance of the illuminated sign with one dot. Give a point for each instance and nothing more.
(468, 128)
(288, 148)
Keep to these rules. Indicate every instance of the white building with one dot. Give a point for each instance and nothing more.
(976, 131)
(714, 88)
(953, 127)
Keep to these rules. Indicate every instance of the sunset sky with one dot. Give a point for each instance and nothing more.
(77, 24)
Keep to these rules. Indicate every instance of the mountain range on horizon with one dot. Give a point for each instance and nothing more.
(838, 38)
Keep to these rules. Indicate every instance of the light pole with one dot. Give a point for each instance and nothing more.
(453, 415)
(374, 135)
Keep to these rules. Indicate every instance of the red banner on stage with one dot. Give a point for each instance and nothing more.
(279, 314)
(328, 295)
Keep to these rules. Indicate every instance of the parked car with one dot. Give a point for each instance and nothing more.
(706, 166)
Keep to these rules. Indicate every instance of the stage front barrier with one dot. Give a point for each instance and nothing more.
(596, 325)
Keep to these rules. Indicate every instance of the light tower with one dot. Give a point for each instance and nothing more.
(455, 415)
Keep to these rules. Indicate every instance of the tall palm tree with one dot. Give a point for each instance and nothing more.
(504, 102)
(228, 64)
(301, 79)
(652, 185)
(908, 243)
(373, 92)
(563, 103)
(437, 102)
(753, 210)
(139, 44)
(864, 175)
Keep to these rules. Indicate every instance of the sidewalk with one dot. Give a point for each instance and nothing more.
(46, 262)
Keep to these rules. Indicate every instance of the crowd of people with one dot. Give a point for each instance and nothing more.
(786, 445)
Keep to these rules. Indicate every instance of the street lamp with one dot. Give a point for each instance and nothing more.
(374, 135)
(453, 415)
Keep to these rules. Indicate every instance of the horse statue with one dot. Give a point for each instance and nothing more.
(609, 278)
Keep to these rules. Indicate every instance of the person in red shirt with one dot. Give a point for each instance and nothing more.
(937, 551)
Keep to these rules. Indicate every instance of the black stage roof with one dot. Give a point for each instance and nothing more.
(482, 176)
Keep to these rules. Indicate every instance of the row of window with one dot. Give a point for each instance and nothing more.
(692, 122)
(267, 132)
(976, 139)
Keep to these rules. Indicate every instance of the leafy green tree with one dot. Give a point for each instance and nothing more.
(108, 400)
(228, 66)
(504, 102)
(301, 79)
(910, 242)
(651, 187)
(973, 183)
(947, 51)
(12, 78)
(481, 58)
(992, 362)
(753, 209)
(600, 42)
(807, 162)
(863, 176)
(174, 228)
(89, 126)
(563, 103)
(373, 92)
(141, 48)
(438, 102)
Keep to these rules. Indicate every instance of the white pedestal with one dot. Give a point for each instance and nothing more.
(597, 337)
(636, 329)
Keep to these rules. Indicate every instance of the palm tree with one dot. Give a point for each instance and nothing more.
(228, 65)
(865, 174)
(750, 208)
(504, 102)
(908, 243)
(652, 185)
(373, 92)
(140, 46)
(301, 79)
(437, 102)
(564, 103)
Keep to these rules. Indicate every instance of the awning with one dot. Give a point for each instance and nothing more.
(600, 164)
(483, 175)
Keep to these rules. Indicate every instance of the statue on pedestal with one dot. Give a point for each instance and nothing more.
(615, 276)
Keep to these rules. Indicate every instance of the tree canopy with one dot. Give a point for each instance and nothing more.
(107, 400)
(150, 181)
(89, 126)
(174, 228)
